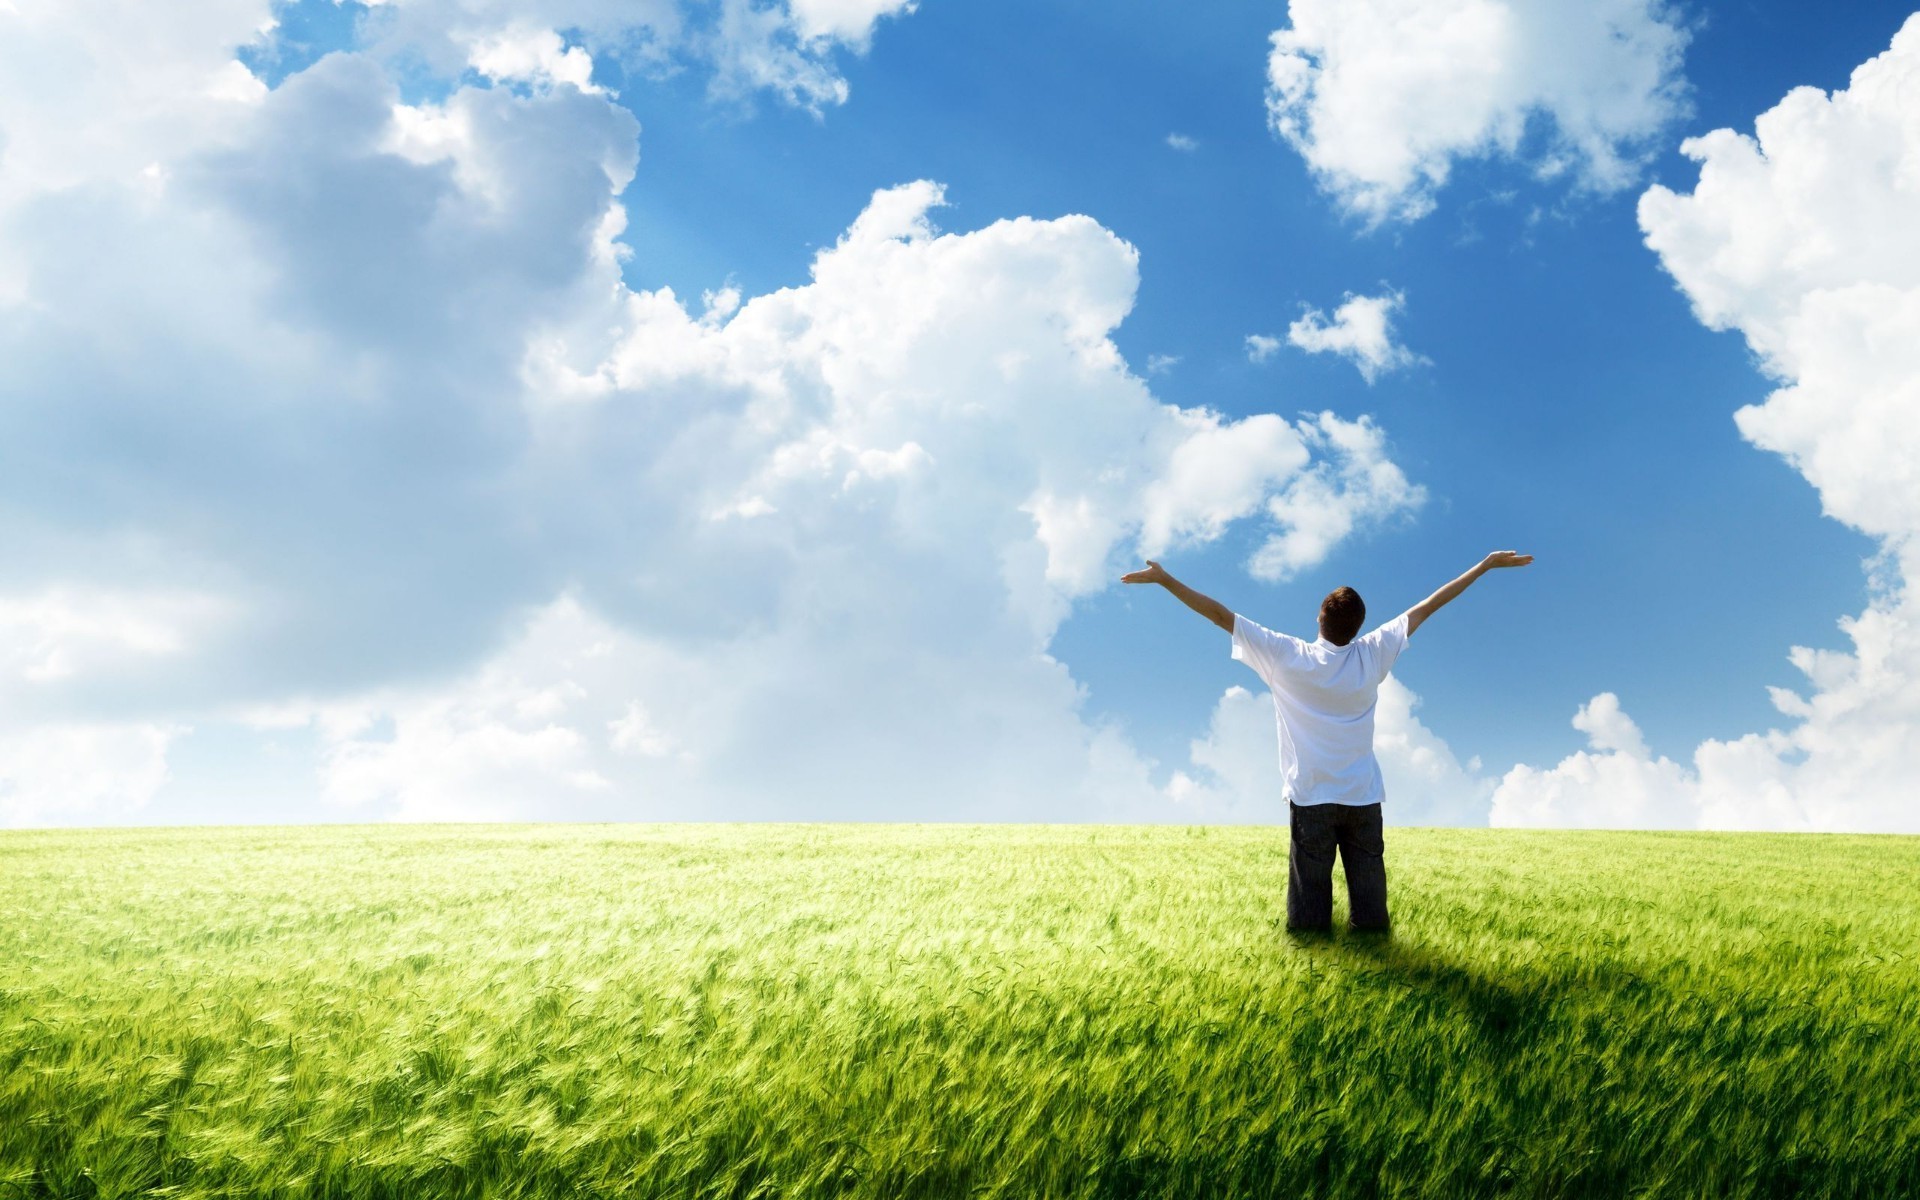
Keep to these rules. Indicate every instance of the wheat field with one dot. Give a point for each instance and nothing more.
(950, 1011)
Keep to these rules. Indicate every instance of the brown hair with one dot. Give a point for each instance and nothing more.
(1341, 615)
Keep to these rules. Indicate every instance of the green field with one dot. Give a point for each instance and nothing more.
(1017, 1011)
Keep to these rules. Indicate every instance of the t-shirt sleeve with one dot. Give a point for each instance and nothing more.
(1267, 652)
(1388, 641)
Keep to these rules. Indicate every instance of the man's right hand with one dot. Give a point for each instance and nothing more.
(1418, 614)
(1506, 558)
(1206, 606)
(1153, 573)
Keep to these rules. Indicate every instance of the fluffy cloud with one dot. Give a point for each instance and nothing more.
(1354, 484)
(789, 50)
(910, 468)
(1615, 784)
(356, 425)
(581, 719)
(1361, 332)
(81, 772)
(536, 56)
(509, 741)
(1382, 96)
(849, 21)
(1426, 783)
(1802, 238)
(99, 88)
(63, 649)
(279, 381)
(103, 89)
(1235, 773)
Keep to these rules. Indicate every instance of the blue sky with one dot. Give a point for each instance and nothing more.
(1568, 401)
(1573, 405)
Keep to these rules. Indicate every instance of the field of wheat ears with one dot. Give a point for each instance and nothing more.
(949, 1011)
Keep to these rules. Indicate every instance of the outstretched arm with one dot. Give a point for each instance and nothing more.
(1206, 606)
(1434, 603)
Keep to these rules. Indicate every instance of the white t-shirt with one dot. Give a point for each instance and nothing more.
(1323, 697)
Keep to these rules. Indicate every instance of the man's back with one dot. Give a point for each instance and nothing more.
(1323, 698)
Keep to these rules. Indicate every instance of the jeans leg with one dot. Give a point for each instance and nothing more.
(1310, 847)
(1363, 849)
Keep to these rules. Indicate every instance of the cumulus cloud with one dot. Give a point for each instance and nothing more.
(1609, 728)
(509, 741)
(353, 392)
(104, 90)
(1801, 237)
(789, 50)
(1381, 97)
(1614, 784)
(581, 719)
(931, 403)
(536, 56)
(792, 52)
(60, 633)
(1261, 347)
(1361, 332)
(1234, 777)
(1427, 784)
(1182, 143)
(81, 772)
(849, 21)
(1354, 484)
(274, 383)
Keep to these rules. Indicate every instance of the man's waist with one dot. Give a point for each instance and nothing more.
(1359, 784)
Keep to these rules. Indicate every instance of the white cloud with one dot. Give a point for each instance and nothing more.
(1361, 332)
(1236, 778)
(1382, 96)
(1182, 143)
(789, 50)
(977, 367)
(536, 56)
(756, 50)
(1261, 347)
(849, 21)
(1426, 784)
(504, 743)
(62, 632)
(804, 720)
(1353, 484)
(634, 732)
(1616, 784)
(1217, 474)
(1608, 727)
(1160, 364)
(514, 540)
(74, 773)
(1802, 238)
(106, 90)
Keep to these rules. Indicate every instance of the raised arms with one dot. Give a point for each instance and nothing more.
(1434, 603)
(1206, 606)
(1220, 615)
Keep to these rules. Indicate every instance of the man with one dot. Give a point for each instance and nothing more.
(1323, 698)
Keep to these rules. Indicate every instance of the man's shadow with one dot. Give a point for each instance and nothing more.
(1506, 1009)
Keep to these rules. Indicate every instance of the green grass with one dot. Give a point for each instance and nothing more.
(875, 1011)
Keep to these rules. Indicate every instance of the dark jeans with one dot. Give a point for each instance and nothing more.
(1317, 830)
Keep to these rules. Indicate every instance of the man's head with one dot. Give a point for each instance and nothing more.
(1341, 615)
